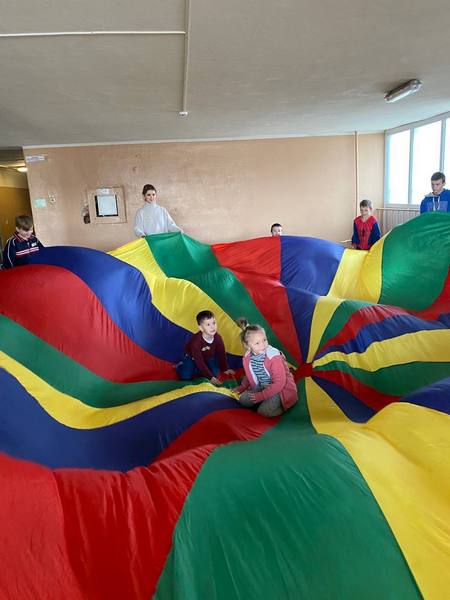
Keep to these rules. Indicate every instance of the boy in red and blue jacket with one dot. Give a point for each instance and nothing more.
(366, 230)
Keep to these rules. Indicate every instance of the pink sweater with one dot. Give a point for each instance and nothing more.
(282, 381)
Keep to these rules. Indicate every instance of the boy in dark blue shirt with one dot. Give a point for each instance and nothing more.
(23, 243)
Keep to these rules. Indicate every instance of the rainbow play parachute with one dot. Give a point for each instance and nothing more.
(117, 481)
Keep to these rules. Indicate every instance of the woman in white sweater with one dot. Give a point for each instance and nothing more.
(152, 218)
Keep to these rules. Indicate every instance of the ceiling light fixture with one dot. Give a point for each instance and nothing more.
(405, 89)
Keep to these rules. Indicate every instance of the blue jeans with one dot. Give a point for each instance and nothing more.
(187, 369)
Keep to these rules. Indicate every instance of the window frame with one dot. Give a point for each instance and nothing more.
(411, 127)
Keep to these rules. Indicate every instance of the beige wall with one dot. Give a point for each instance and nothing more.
(14, 200)
(371, 168)
(216, 191)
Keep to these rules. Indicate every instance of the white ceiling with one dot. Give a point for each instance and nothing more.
(257, 68)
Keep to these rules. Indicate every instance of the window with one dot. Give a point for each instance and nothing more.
(426, 159)
(447, 146)
(398, 166)
(413, 153)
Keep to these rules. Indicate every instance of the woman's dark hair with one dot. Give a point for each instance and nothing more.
(147, 187)
(246, 328)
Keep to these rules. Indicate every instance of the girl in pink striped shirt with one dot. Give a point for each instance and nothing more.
(268, 383)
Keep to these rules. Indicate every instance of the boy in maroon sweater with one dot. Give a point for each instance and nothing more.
(205, 352)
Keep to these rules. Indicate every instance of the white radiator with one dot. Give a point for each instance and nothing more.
(388, 218)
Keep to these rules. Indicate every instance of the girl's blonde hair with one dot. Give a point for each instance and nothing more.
(246, 329)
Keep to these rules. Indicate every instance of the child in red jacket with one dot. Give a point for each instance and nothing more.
(366, 230)
(268, 381)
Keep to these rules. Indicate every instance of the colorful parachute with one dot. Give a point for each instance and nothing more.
(118, 481)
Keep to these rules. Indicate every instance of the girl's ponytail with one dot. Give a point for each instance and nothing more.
(243, 324)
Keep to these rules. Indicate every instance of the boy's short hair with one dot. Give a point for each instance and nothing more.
(203, 315)
(438, 175)
(275, 225)
(365, 203)
(24, 222)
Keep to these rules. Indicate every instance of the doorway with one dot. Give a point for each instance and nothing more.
(14, 194)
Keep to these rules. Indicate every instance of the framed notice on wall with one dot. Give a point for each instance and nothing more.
(107, 205)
